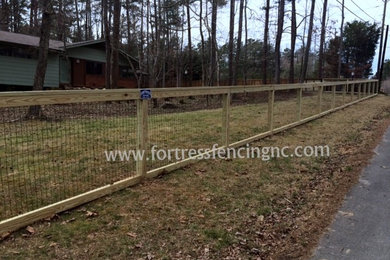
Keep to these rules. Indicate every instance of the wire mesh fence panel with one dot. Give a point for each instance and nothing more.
(285, 107)
(182, 123)
(309, 102)
(248, 115)
(59, 152)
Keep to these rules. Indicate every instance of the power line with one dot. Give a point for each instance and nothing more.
(363, 10)
(351, 11)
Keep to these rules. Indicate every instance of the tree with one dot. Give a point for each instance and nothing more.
(293, 41)
(191, 69)
(231, 42)
(331, 56)
(307, 49)
(237, 63)
(322, 41)
(278, 40)
(265, 41)
(40, 72)
(106, 22)
(213, 47)
(115, 44)
(360, 40)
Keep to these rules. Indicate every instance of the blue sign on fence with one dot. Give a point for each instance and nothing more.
(146, 93)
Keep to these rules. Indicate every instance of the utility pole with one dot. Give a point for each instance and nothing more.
(381, 43)
(341, 39)
(383, 59)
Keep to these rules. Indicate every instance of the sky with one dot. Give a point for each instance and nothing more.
(363, 10)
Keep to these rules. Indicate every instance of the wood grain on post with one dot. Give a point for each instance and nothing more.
(344, 92)
(319, 98)
(333, 97)
(299, 103)
(225, 118)
(142, 135)
(271, 99)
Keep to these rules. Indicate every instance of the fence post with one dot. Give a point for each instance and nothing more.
(225, 118)
(319, 98)
(344, 92)
(359, 90)
(352, 90)
(299, 103)
(369, 89)
(142, 135)
(271, 99)
(333, 96)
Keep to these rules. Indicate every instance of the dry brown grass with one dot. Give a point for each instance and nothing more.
(244, 208)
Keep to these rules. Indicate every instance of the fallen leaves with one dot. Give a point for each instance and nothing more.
(30, 230)
(90, 214)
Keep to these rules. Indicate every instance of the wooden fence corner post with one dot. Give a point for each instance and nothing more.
(142, 135)
(226, 99)
(299, 103)
(271, 100)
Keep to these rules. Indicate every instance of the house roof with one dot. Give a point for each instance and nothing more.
(23, 39)
(29, 40)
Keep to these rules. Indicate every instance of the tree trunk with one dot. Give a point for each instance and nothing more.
(265, 43)
(213, 49)
(40, 72)
(293, 41)
(115, 44)
(231, 42)
(246, 44)
(60, 21)
(309, 36)
(108, 43)
(202, 44)
(322, 42)
(237, 63)
(191, 66)
(76, 4)
(278, 40)
(4, 15)
(341, 46)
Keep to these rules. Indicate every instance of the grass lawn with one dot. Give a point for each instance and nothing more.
(245, 208)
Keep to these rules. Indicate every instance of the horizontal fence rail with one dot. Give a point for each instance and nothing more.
(54, 144)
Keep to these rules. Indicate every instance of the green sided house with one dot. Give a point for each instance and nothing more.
(76, 65)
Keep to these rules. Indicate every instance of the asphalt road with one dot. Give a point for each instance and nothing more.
(361, 228)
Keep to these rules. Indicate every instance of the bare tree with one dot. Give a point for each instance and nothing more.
(239, 43)
(76, 4)
(307, 49)
(322, 41)
(213, 48)
(293, 41)
(43, 52)
(278, 40)
(107, 37)
(190, 63)
(231, 41)
(341, 47)
(265, 42)
(115, 44)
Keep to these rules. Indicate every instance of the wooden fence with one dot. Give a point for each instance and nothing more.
(348, 93)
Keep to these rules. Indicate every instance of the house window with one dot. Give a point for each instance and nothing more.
(94, 68)
(12, 51)
(126, 72)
